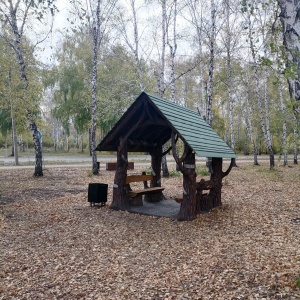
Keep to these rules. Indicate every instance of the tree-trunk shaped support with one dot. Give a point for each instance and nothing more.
(156, 158)
(120, 188)
(214, 185)
(120, 198)
(186, 165)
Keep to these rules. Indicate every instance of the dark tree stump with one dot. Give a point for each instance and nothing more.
(156, 158)
(120, 198)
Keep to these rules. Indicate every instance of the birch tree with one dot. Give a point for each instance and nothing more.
(230, 43)
(212, 43)
(264, 119)
(15, 16)
(133, 44)
(290, 20)
(98, 14)
(196, 9)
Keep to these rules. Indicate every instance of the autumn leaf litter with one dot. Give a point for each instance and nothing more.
(54, 246)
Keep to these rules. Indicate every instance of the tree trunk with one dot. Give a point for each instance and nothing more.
(38, 150)
(248, 113)
(290, 21)
(156, 158)
(229, 78)
(211, 63)
(265, 130)
(164, 165)
(284, 134)
(211, 73)
(136, 48)
(13, 124)
(96, 37)
(296, 134)
(120, 189)
(216, 177)
(188, 207)
(246, 148)
(37, 146)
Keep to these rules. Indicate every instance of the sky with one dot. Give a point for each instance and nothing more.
(46, 50)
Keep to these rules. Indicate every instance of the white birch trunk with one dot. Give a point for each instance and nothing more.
(96, 37)
(13, 123)
(248, 113)
(284, 134)
(161, 79)
(161, 87)
(257, 94)
(211, 63)
(136, 46)
(16, 44)
(197, 21)
(229, 77)
(173, 49)
(290, 20)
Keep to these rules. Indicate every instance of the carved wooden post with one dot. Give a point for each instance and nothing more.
(156, 157)
(213, 199)
(216, 177)
(120, 199)
(188, 207)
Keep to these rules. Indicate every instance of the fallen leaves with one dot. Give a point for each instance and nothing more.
(53, 245)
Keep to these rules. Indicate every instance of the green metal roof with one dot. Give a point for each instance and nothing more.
(193, 129)
(161, 117)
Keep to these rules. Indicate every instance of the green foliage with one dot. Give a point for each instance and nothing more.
(5, 121)
(90, 173)
(202, 171)
(298, 282)
(272, 174)
(174, 173)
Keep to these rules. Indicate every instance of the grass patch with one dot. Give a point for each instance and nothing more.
(272, 174)
(174, 173)
(298, 282)
(202, 171)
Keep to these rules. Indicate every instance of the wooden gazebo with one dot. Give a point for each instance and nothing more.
(145, 127)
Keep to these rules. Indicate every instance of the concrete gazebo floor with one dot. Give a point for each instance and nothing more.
(165, 208)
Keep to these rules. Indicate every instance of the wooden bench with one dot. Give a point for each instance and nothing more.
(112, 166)
(136, 195)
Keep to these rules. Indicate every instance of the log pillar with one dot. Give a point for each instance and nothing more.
(120, 198)
(156, 158)
(188, 210)
(216, 177)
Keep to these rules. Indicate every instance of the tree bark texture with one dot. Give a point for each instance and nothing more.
(290, 20)
(248, 112)
(96, 37)
(186, 164)
(120, 199)
(296, 134)
(265, 131)
(284, 132)
(156, 158)
(187, 210)
(206, 202)
(164, 164)
(211, 63)
(16, 44)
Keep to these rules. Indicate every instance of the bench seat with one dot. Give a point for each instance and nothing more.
(144, 191)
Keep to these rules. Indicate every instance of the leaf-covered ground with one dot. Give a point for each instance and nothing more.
(54, 246)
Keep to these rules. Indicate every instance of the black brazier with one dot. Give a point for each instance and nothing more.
(97, 193)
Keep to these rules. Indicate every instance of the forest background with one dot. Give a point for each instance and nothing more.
(87, 61)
